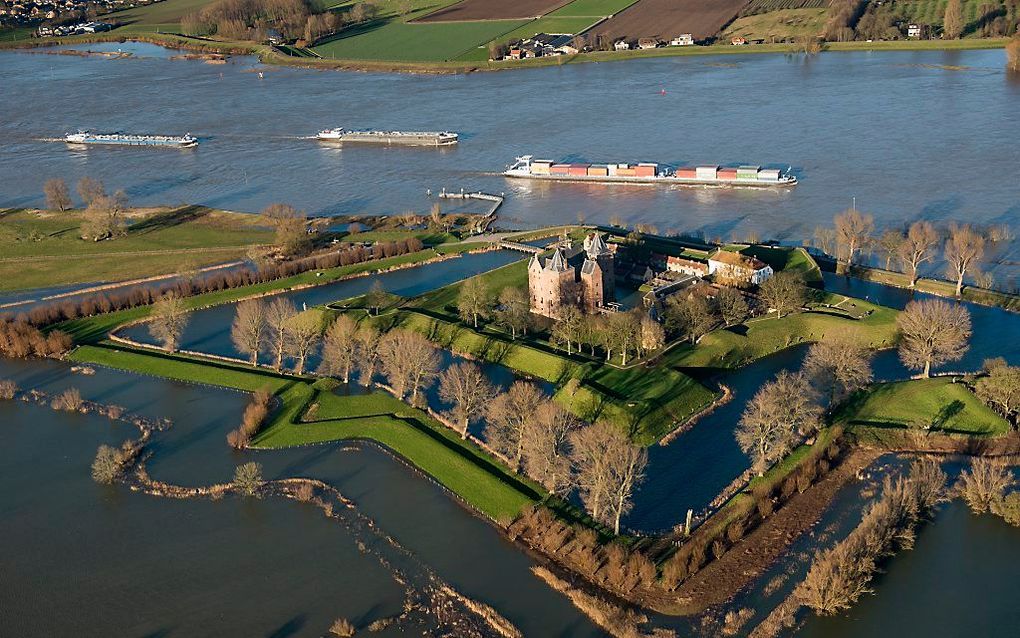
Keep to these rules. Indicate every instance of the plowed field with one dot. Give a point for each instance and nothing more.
(666, 19)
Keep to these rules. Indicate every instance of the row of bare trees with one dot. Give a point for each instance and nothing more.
(144, 295)
(104, 214)
(963, 248)
(839, 576)
(19, 339)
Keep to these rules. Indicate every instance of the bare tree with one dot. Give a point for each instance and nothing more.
(838, 366)
(507, 419)
(609, 467)
(732, 306)
(825, 239)
(917, 247)
(546, 446)
(512, 311)
(409, 361)
(653, 336)
(890, 243)
(932, 332)
(367, 338)
(952, 21)
(290, 226)
(964, 248)
(340, 348)
(782, 412)
(103, 217)
(622, 333)
(473, 301)
(1013, 55)
(90, 189)
(568, 328)
(248, 331)
(783, 292)
(303, 333)
(465, 386)
(853, 232)
(58, 197)
(1000, 390)
(691, 316)
(168, 317)
(278, 314)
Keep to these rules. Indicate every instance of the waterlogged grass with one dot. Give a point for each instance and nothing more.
(462, 467)
(947, 407)
(93, 329)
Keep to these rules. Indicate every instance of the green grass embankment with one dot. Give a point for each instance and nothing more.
(462, 467)
(939, 403)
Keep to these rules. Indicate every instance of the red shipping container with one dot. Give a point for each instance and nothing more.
(559, 169)
(578, 169)
(644, 171)
(689, 173)
(727, 173)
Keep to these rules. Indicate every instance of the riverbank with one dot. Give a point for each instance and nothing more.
(270, 55)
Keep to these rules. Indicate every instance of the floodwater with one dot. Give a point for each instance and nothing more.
(89, 560)
(909, 134)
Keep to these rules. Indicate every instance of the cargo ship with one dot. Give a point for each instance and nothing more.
(406, 138)
(123, 139)
(528, 167)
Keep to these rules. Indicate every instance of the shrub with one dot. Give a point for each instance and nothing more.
(106, 467)
(248, 478)
(718, 548)
(985, 483)
(342, 627)
(69, 400)
(1008, 508)
(238, 439)
(8, 389)
(735, 531)
(304, 492)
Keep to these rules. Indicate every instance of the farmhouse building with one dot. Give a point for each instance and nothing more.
(682, 40)
(621, 45)
(687, 266)
(585, 277)
(731, 267)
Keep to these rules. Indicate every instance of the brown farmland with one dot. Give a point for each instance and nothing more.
(493, 10)
(666, 19)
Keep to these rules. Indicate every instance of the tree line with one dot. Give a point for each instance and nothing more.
(963, 246)
(103, 214)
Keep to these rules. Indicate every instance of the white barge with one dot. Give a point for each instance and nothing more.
(123, 139)
(405, 138)
(527, 167)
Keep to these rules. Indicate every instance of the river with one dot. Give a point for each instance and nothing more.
(909, 134)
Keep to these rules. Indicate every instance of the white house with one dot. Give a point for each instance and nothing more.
(682, 40)
(738, 268)
(621, 45)
(687, 266)
(913, 31)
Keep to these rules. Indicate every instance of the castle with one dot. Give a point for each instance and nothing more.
(582, 277)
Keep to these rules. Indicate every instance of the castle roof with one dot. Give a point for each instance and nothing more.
(595, 246)
(589, 267)
(736, 259)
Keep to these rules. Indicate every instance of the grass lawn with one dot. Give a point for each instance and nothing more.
(782, 258)
(413, 42)
(547, 24)
(463, 468)
(592, 8)
(949, 407)
(444, 300)
(93, 329)
(42, 248)
(734, 347)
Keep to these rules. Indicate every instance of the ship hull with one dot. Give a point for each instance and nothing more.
(666, 180)
(133, 142)
(391, 140)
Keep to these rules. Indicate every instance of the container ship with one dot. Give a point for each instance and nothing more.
(649, 173)
(406, 138)
(123, 139)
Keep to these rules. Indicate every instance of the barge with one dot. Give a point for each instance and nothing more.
(527, 167)
(404, 138)
(124, 139)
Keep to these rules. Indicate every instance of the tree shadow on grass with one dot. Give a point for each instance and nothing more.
(169, 219)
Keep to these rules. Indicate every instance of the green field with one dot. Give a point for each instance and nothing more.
(547, 24)
(592, 8)
(42, 248)
(463, 468)
(412, 42)
(948, 407)
(793, 259)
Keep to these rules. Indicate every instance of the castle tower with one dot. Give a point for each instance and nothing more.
(598, 252)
